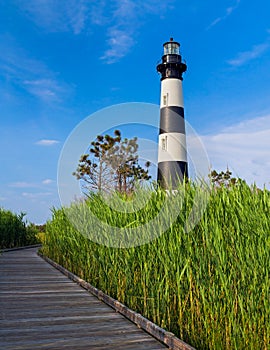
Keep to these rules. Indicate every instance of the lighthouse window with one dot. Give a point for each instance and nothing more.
(171, 48)
(165, 100)
(164, 143)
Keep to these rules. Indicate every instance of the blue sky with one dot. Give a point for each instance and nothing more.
(61, 61)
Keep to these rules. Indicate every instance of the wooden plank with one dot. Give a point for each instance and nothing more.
(165, 337)
(42, 309)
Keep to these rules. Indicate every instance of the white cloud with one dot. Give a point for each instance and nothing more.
(18, 67)
(46, 89)
(22, 184)
(97, 13)
(46, 142)
(244, 148)
(127, 17)
(25, 184)
(56, 16)
(114, 88)
(33, 195)
(47, 181)
(216, 21)
(246, 56)
(124, 21)
(229, 10)
(121, 19)
(249, 125)
(119, 43)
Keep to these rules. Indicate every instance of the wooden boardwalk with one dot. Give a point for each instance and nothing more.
(41, 308)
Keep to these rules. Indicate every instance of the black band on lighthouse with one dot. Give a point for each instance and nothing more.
(171, 173)
(172, 120)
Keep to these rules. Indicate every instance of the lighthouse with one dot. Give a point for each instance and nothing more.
(172, 153)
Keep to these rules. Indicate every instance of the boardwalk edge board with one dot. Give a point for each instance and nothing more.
(5, 250)
(159, 333)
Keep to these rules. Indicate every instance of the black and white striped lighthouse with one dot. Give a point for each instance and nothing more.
(172, 154)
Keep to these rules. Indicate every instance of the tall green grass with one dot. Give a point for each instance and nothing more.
(210, 286)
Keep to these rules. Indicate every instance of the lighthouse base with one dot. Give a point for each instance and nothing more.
(171, 174)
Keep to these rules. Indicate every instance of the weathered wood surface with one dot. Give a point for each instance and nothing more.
(41, 308)
(161, 334)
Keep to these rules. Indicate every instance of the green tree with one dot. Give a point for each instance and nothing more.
(32, 232)
(112, 163)
(14, 232)
(223, 178)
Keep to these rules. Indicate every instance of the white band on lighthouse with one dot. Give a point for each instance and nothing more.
(171, 93)
(172, 147)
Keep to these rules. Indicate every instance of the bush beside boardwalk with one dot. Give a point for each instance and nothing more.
(14, 232)
(209, 286)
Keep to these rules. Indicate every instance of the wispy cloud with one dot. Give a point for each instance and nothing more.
(229, 10)
(47, 181)
(126, 18)
(119, 43)
(243, 147)
(246, 56)
(216, 21)
(121, 29)
(20, 69)
(25, 184)
(35, 195)
(97, 13)
(22, 184)
(46, 142)
(45, 89)
(56, 16)
(121, 18)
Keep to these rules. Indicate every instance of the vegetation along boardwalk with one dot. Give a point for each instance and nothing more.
(43, 309)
